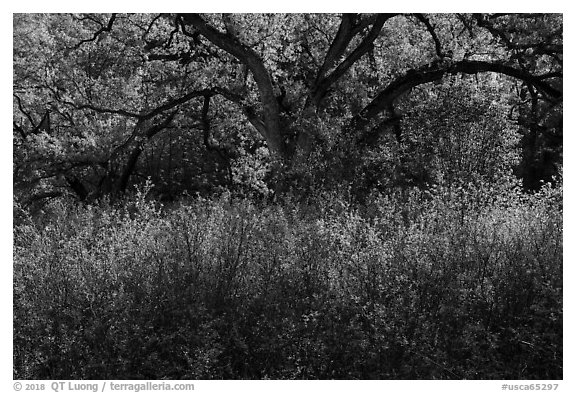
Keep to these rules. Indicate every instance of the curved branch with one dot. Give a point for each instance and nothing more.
(272, 132)
(415, 78)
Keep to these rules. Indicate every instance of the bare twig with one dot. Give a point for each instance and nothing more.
(101, 30)
(426, 22)
(25, 113)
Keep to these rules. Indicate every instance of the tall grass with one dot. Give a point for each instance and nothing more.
(425, 285)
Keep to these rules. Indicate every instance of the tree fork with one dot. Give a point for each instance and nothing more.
(272, 131)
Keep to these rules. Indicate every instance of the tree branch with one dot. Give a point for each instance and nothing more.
(146, 116)
(177, 101)
(151, 24)
(338, 46)
(206, 130)
(20, 130)
(542, 47)
(136, 150)
(43, 195)
(156, 128)
(422, 18)
(272, 132)
(101, 30)
(21, 108)
(322, 87)
(104, 110)
(231, 28)
(414, 78)
(247, 110)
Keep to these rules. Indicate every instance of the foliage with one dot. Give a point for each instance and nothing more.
(274, 103)
(424, 285)
(287, 196)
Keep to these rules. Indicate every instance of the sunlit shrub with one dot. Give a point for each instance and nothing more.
(419, 284)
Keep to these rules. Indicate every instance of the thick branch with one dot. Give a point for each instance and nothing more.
(272, 132)
(415, 78)
(338, 46)
(366, 44)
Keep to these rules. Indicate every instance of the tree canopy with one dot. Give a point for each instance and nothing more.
(273, 102)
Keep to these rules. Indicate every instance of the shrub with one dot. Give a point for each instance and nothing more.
(420, 284)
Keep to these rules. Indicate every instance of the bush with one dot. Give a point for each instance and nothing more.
(435, 284)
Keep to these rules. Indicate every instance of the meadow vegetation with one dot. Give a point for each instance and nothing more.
(436, 284)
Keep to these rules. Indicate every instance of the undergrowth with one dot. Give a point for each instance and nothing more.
(423, 285)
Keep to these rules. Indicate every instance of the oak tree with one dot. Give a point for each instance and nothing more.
(198, 101)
